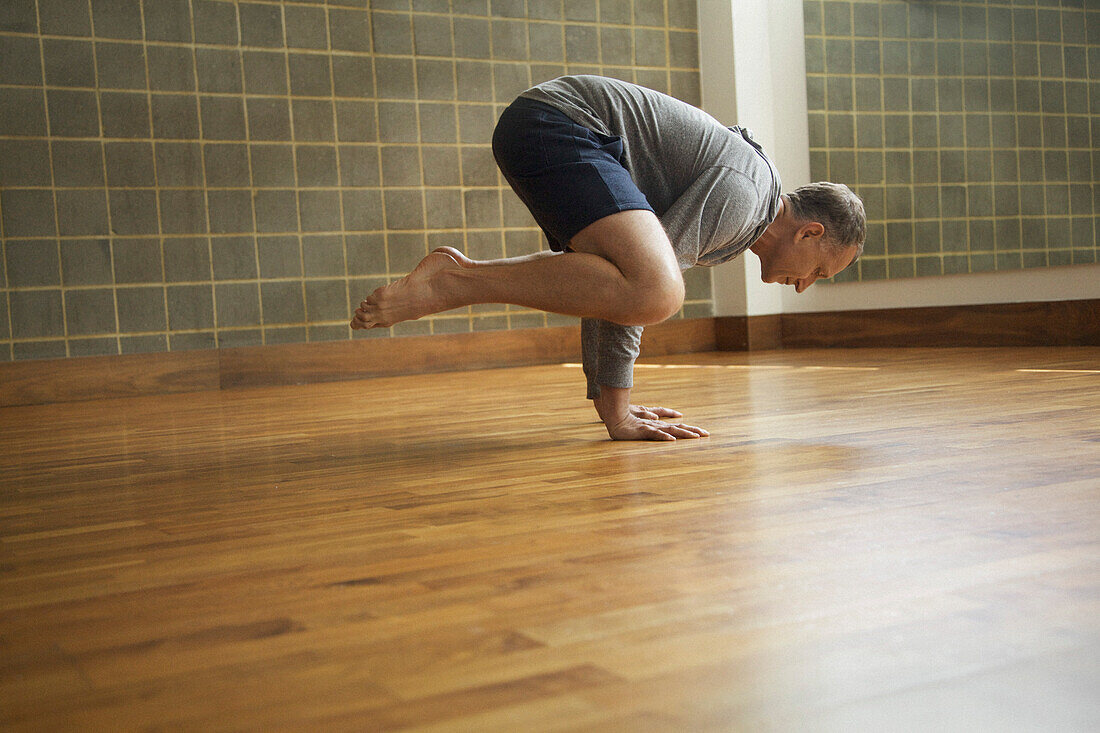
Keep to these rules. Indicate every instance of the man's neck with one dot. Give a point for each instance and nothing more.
(774, 230)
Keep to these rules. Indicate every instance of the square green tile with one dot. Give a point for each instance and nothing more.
(186, 259)
(397, 121)
(838, 56)
(979, 200)
(129, 164)
(219, 70)
(956, 264)
(124, 115)
(405, 250)
(349, 29)
(327, 300)
(362, 209)
(90, 312)
(926, 166)
(182, 211)
(82, 212)
(141, 309)
(179, 164)
(61, 18)
(366, 253)
(323, 255)
(482, 207)
(981, 237)
(1032, 200)
(73, 113)
(1007, 236)
(69, 62)
(192, 341)
(306, 27)
(868, 94)
(175, 116)
(137, 261)
(1006, 200)
(926, 237)
(143, 344)
(313, 120)
(899, 203)
(353, 76)
(319, 210)
(872, 269)
(237, 304)
(865, 19)
(86, 262)
(120, 66)
(444, 208)
(953, 201)
(310, 75)
(230, 212)
(282, 302)
(215, 22)
(32, 263)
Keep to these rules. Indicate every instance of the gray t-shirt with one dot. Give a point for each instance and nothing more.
(712, 187)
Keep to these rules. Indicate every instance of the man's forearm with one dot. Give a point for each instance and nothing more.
(613, 404)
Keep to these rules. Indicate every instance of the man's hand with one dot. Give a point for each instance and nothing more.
(625, 421)
(639, 428)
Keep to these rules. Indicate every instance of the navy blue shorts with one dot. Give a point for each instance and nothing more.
(567, 175)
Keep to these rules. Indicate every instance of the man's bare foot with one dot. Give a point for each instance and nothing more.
(413, 296)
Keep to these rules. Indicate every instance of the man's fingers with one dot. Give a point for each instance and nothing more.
(654, 433)
(666, 431)
(687, 431)
(654, 413)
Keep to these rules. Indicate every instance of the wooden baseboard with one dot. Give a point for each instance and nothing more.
(70, 380)
(1061, 323)
(96, 377)
(1057, 323)
(748, 333)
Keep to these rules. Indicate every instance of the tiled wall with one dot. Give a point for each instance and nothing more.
(969, 127)
(182, 174)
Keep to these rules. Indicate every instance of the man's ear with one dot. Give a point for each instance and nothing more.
(811, 230)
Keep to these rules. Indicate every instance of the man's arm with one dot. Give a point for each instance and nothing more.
(609, 351)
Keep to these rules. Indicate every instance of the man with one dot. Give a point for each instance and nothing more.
(630, 186)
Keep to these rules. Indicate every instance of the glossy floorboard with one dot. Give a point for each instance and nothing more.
(870, 540)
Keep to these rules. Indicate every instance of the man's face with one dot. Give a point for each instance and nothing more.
(802, 260)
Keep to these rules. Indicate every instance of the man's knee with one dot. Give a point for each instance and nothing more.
(656, 300)
(637, 245)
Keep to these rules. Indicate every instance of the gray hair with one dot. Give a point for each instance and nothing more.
(836, 208)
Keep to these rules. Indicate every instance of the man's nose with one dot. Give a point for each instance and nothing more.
(801, 284)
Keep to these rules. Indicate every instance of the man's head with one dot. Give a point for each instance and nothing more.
(819, 231)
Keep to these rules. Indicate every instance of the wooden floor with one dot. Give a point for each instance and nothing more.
(870, 540)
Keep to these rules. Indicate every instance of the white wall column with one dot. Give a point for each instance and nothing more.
(753, 73)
